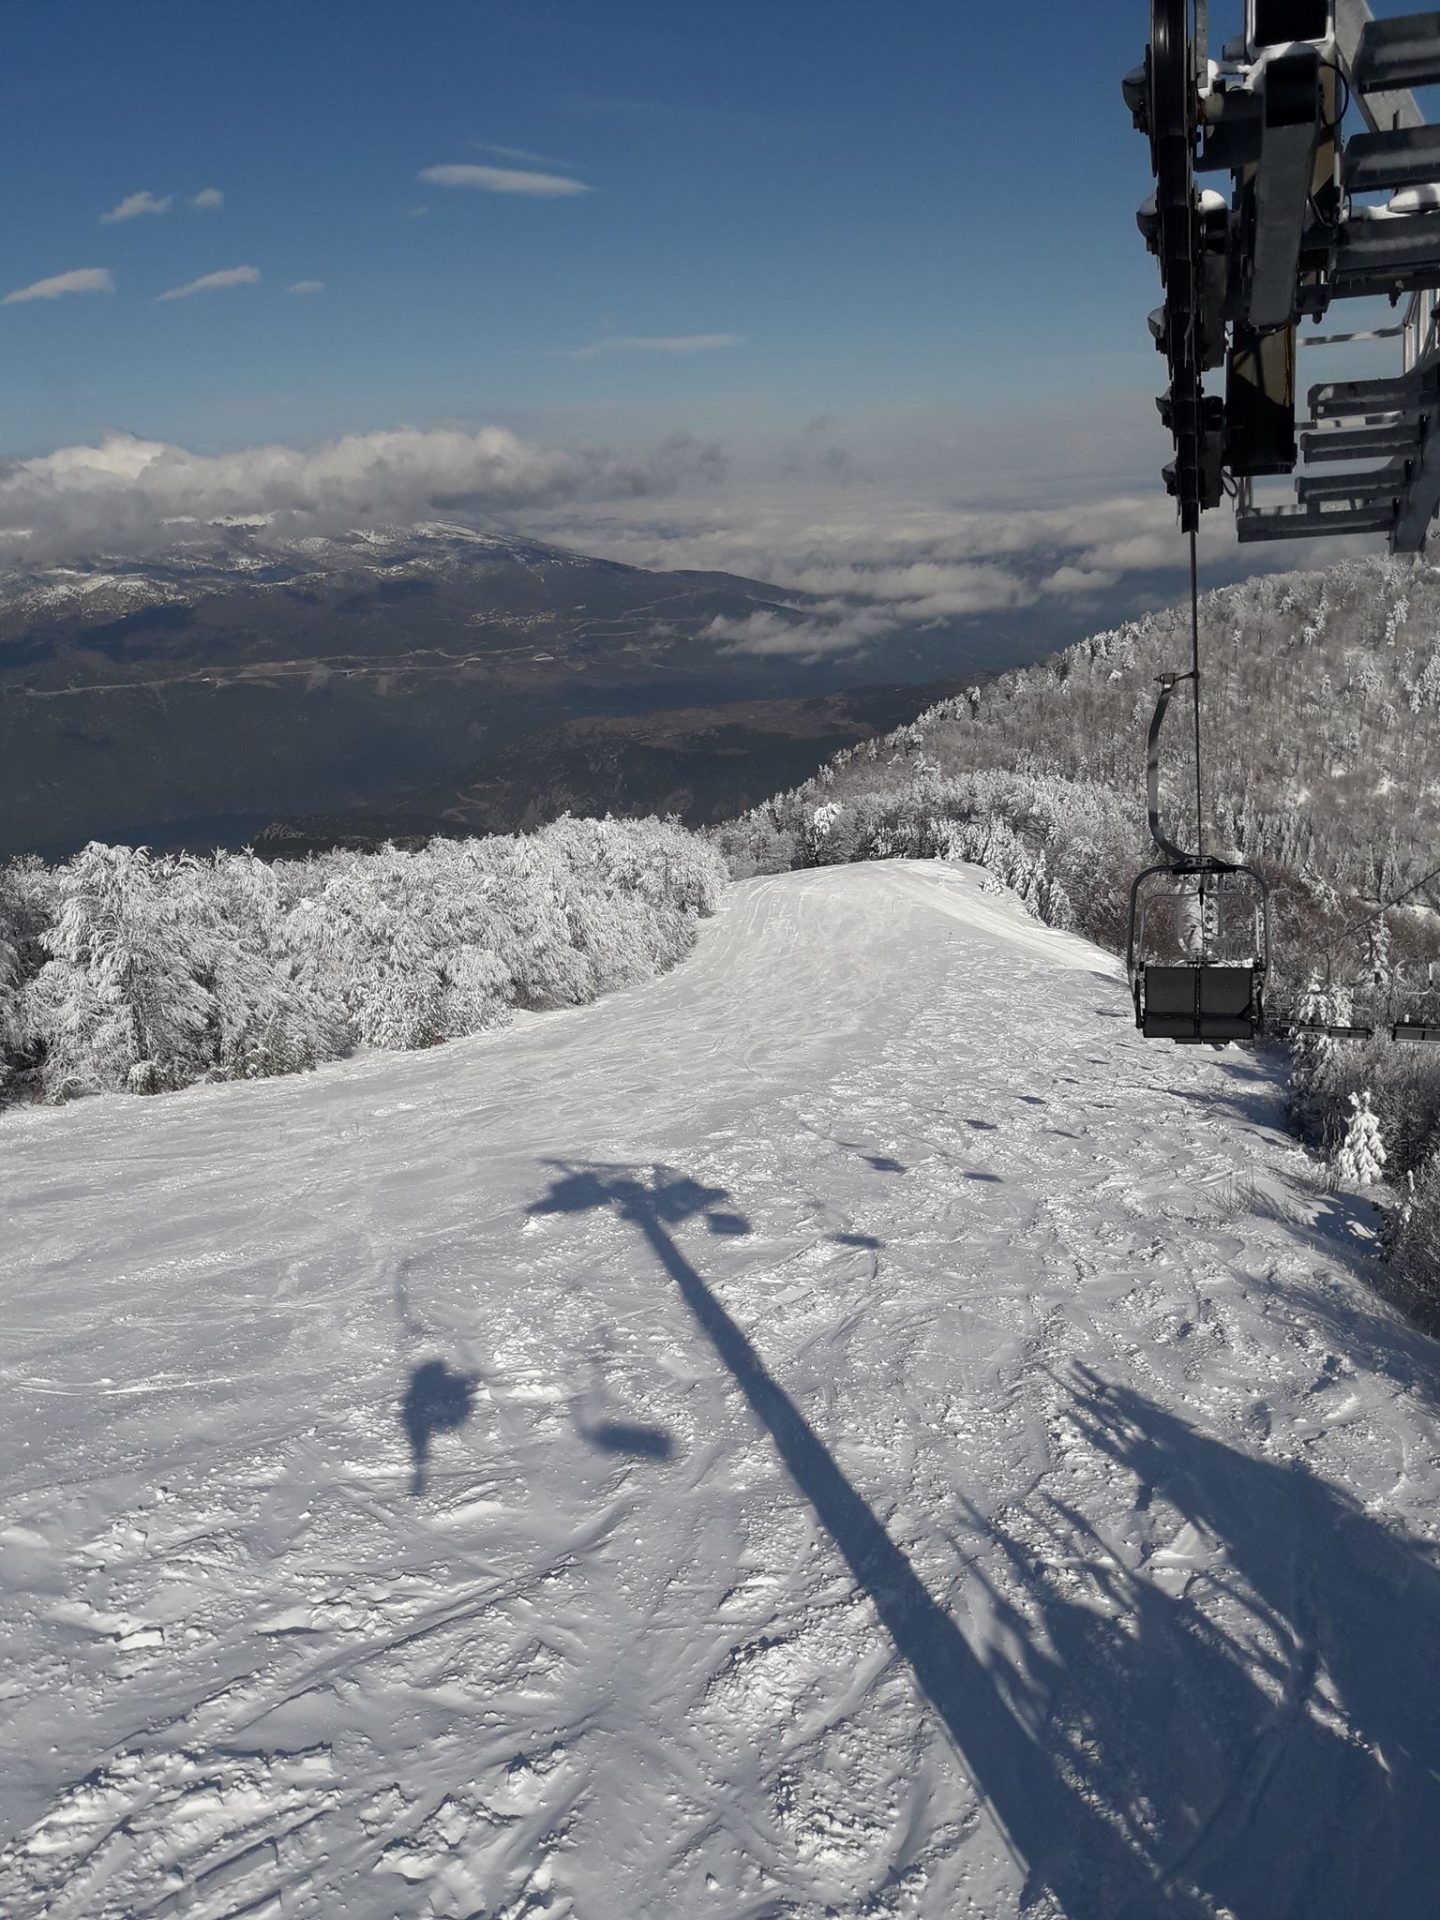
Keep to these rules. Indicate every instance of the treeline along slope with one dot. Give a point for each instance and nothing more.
(1321, 709)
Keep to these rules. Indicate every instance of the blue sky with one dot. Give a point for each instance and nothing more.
(896, 245)
(901, 210)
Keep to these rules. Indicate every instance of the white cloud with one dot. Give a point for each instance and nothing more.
(306, 286)
(924, 589)
(804, 634)
(128, 495)
(207, 199)
(868, 552)
(81, 280)
(210, 282)
(659, 343)
(1078, 580)
(542, 186)
(847, 566)
(135, 204)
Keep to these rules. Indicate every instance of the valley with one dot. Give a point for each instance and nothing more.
(472, 679)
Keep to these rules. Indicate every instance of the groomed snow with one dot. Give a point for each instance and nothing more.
(845, 1429)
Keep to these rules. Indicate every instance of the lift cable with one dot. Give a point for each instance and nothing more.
(1195, 688)
(1369, 919)
(1236, 280)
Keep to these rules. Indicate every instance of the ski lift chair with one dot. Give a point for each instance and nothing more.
(1199, 998)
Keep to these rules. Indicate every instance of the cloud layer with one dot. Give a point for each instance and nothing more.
(863, 563)
(850, 566)
(539, 186)
(130, 496)
(81, 280)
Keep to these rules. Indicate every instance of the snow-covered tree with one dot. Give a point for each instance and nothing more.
(1413, 1244)
(122, 971)
(1315, 1059)
(819, 831)
(1378, 966)
(1362, 1156)
(122, 1001)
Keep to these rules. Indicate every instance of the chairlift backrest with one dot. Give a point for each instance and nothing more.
(1198, 994)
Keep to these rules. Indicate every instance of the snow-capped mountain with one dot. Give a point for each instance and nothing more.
(845, 1429)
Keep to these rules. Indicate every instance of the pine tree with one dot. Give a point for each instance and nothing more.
(122, 1002)
(1378, 965)
(1315, 1059)
(1362, 1156)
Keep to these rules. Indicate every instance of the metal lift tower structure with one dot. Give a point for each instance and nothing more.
(1310, 217)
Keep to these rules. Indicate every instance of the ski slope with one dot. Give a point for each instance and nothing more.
(845, 1429)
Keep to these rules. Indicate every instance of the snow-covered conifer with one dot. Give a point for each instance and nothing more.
(1362, 1156)
(122, 1001)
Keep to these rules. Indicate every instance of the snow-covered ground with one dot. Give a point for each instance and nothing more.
(845, 1429)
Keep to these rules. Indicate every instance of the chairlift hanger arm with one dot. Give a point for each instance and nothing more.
(1168, 684)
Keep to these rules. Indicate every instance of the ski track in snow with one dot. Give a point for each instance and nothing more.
(846, 1429)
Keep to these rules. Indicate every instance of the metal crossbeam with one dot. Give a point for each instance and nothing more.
(1376, 484)
(1395, 107)
(1397, 54)
(1361, 443)
(1404, 157)
(1311, 523)
(1379, 242)
(1401, 393)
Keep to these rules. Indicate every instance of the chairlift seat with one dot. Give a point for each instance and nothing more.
(1195, 1004)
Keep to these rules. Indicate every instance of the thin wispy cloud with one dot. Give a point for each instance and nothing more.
(522, 154)
(206, 200)
(658, 343)
(136, 204)
(213, 282)
(81, 280)
(536, 186)
(306, 286)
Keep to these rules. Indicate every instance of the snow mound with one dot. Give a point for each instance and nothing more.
(846, 1428)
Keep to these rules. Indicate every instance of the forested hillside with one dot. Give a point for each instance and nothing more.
(1322, 766)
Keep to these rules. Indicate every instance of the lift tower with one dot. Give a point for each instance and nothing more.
(1307, 216)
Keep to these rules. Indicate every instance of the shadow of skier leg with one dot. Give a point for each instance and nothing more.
(437, 1400)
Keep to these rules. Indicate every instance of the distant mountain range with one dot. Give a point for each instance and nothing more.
(436, 673)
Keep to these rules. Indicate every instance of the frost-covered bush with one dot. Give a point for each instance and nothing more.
(1401, 1078)
(27, 907)
(120, 970)
(1068, 848)
(1414, 1246)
